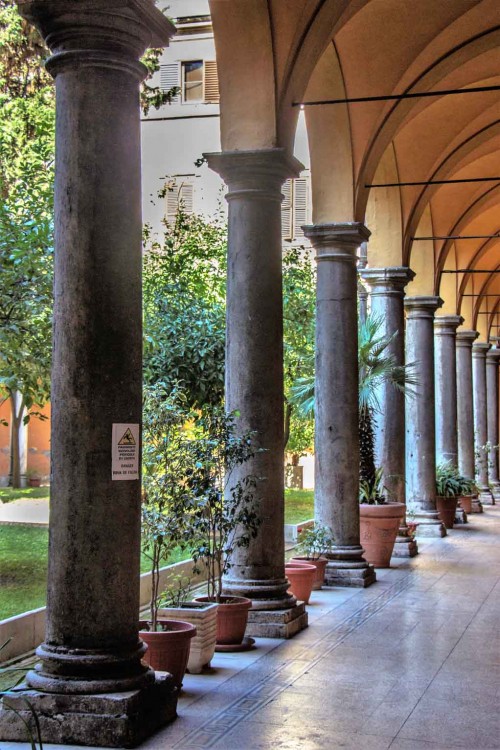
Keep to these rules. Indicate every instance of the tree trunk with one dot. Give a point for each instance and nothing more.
(17, 411)
(366, 447)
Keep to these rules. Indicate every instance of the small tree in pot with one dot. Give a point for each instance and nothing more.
(225, 516)
(313, 544)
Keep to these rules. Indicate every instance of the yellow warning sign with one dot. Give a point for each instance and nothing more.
(127, 439)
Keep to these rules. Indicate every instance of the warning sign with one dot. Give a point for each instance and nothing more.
(125, 451)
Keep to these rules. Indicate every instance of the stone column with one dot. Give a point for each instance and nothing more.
(420, 416)
(492, 360)
(362, 292)
(91, 686)
(445, 331)
(465, 408)
(336, 399)
(387, 294)
(254, 362)
(479, 350)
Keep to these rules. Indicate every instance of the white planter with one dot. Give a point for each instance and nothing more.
(204, 618)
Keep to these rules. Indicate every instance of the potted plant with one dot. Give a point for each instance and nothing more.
(379, 522)
(224, 517)
(313, 543)
(448, 488)
(167, 461)
(468, 491)
(203, 615)
(34, 478)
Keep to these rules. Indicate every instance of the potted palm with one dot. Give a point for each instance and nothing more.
(449, 485)
(167, 462)
(313, 544)
(224, 516)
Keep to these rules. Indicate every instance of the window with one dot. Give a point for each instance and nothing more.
(294, 208)
(179, 194)
(196, 79)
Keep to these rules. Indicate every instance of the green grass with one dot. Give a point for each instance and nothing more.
(23, 567)
(299, 505)
(7, 494)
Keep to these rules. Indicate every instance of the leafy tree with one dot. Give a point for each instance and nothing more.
(184, 283)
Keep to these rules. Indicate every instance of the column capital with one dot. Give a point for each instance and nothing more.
(98, 33)
(479, 349)
(466, 338)
(422, 306)
(446, 325)
(337, 241)
(387, 281)
(258, 173)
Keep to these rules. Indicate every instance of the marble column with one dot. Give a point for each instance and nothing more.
(420, 417)
(445, 331)
(362, 291)
(254, 363)
(91, 686)
(479, 350)
(387, 287)
(336, 399)
(465, 408)
(492, 361)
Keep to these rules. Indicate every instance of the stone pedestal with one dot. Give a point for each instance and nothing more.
(278, 623)
(445, 330)
(479, 351)
(420, 417)
(336, 399)
(254, 359)
(387, 294)
(465, 408)
(492, 361)
(92, 648)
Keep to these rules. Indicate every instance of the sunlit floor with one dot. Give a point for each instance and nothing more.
(412, 662)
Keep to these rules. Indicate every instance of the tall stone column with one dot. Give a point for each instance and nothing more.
(492, 360)
(465, 408)
(254, 365)
(420, 417)
(445, 331)
(336, 399)
(91, 686)
(387, 287)
(479, 350)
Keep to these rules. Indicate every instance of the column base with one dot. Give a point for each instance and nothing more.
(429, 525)
(345, 574)
(405, 546)
(105, 720)
(277, 623)
(460, 517)
(495, 490)
(265, 594)
(486, 496)
(477, 506)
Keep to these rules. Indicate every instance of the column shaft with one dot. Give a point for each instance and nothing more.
(492, 360)
(465, 408)
(254, 356)
(445, 329)
(336, 398)
(420, 416)
(479, 350)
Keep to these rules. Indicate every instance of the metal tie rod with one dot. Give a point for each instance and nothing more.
(398, 97)
(459, 237)
(432, 182)
(472, 270)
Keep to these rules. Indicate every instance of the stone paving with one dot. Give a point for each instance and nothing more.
(411, 663)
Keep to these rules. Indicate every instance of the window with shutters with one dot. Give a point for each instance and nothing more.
(197, 80)
(294, 208)
(179, 195)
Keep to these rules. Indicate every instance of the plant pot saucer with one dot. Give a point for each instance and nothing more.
(247, 644)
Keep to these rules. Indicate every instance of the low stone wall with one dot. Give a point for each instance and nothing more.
(27, 631)
(292, 530)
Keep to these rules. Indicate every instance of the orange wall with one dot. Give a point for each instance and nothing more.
(39, 444)
(4, 443)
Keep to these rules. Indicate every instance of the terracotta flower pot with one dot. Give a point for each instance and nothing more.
(301, 576)
(168, 650)
(232, 618)
(447, 508)
(465, 502)
(379, 526)
(320, 565)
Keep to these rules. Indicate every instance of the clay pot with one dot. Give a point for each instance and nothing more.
(465, 502)
(301, 576)
(168, 650)
(379, 526)
(446, 508)
(320, 565)
(232, 618)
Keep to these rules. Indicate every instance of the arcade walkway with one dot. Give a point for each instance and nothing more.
(410, 663)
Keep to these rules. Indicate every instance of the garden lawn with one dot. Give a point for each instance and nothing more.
(23, 567)
(299, 505)
(7, 494)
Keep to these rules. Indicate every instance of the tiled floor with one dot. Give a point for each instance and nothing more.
(412, 662)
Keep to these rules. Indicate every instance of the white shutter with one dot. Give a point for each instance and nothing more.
(179, 195)
(286, 211)
(212, 95)
(300, 201)
(186, 194)
(170, 77)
